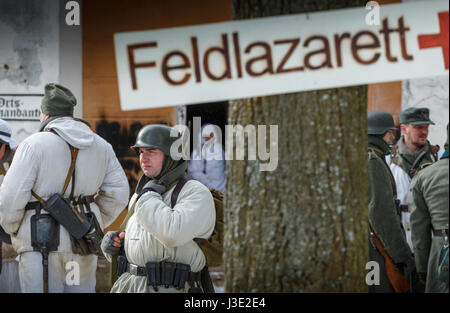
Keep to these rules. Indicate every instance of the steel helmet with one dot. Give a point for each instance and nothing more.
(379, 122)
(155, 136)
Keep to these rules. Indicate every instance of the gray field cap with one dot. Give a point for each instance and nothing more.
(415, 116)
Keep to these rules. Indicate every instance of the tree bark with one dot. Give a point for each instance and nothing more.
(302, 227)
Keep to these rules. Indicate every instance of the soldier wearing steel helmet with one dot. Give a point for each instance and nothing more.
(154, 246)
(388, 246)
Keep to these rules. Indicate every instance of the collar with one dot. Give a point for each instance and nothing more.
(46, 122)
(379, 144)
(406, 151)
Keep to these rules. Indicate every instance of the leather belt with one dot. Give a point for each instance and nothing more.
(142, 271)
(168, 274)
(34, 205)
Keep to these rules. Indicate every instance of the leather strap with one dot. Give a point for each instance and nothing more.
(34, 205)
(173, 199)
(73, 154)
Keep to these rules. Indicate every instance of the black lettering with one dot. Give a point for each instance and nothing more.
(134, 65)
(267, 56)
(325, 50)
(337, 46)
(294, 43)
(197, 72)
(237, 54)
(166, 68)
(386, 31)
(226, 55)
(401, 30)
(355, 47)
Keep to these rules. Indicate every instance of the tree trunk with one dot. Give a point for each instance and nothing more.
(302, 227)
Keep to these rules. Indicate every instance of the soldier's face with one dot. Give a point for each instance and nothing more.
(151, 161)
(415, 134)
(389, 136)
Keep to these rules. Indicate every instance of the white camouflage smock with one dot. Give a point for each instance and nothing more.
(157, 232)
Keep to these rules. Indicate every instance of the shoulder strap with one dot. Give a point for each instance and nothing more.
(375, 149)
(173, 199)
(73, 155)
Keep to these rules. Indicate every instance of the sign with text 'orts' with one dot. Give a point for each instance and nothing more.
(283, 54)
(20, 107)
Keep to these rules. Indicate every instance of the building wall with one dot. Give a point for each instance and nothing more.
(386, 97)
(29, 36)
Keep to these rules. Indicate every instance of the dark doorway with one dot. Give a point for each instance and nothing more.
(213, 113)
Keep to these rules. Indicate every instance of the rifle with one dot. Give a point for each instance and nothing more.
(395, 276)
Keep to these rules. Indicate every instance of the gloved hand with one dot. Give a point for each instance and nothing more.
(112, 242)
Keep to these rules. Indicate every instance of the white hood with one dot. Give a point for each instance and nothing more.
(76, 133)
(211, 150)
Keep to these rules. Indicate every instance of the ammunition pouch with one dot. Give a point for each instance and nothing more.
(84, 229)
(167, 274)
(91, 241)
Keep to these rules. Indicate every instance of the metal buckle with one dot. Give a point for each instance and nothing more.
(133, 269)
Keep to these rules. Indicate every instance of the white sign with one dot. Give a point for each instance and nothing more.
(274, 55)
(23, 107)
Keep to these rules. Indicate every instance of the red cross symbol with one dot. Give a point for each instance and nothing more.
(437, 40)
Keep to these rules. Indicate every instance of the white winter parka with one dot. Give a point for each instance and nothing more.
(41, 163)
(157, 232)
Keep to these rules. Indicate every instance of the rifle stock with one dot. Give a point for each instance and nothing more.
(396, 277)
